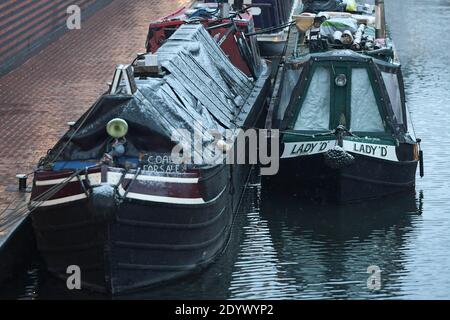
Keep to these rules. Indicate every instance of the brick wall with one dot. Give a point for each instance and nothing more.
(26, 26)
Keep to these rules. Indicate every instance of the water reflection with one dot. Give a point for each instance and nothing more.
(329, 248)
(259, 272)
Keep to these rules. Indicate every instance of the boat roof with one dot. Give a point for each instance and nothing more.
(200, 90)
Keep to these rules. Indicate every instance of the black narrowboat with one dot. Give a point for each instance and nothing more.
(110, 199)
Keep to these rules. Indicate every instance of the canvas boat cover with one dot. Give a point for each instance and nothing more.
(316, 6)
(389, 84)
(201, 89)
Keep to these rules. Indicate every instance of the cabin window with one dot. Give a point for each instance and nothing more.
(393, 89)
(365, 115)
(315, 111)
(290, 80)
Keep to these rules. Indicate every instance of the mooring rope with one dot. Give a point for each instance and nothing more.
(30, 207)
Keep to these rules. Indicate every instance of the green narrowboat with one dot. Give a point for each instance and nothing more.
(339, 104)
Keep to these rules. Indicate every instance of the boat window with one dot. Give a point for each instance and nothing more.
(393, 89)
(315, 111)
(365, 115)
(290, 80)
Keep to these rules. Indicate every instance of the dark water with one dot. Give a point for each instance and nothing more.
(286, 249)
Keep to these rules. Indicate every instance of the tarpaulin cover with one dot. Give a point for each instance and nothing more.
(201, 89)
(315, 111)
(375, 98)
(365, 115)
(315, 6)
(290, 80)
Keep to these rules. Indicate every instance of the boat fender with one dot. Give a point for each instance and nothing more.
(338, 158)
(103, 202)
(421, 161)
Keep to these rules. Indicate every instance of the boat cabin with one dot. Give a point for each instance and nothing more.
(322, 91)
(340, 70)
(339, 104)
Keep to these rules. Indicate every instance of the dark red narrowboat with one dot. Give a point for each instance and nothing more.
(108, 197)
(270, 21)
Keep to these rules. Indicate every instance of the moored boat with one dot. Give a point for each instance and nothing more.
(339, 103)
(273, 25)
(270, 22)
(109, 197)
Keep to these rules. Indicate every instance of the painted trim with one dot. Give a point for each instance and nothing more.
(55, 202)
(115, 176)
(368, 149)
(153, 198)
(170, 200)
(163, 179)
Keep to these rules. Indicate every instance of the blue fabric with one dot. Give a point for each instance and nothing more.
(60, 165)
(202, 13)
(76, 165)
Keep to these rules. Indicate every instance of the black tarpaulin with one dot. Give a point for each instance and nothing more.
(316, 6)
(200, 90)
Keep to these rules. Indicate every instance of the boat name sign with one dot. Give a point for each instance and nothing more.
(382, 151)
(292, 150)
(300, 149)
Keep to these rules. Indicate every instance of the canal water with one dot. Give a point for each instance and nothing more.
(287, 249)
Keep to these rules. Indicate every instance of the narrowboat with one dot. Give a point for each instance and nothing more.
(110, 198)
(339, 105)
(272, 24)
(270, 21)
(228, 25)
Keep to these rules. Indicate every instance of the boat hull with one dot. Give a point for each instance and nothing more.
(365, 178)
(141, 243)
(272, 48)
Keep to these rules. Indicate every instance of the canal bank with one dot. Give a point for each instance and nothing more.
(57, 85)
(28, 26)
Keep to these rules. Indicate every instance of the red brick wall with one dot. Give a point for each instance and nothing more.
(28, 25)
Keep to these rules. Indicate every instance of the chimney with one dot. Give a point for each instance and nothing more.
(380, 19)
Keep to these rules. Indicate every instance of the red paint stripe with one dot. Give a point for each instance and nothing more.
(71, 189)
(53, 175)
